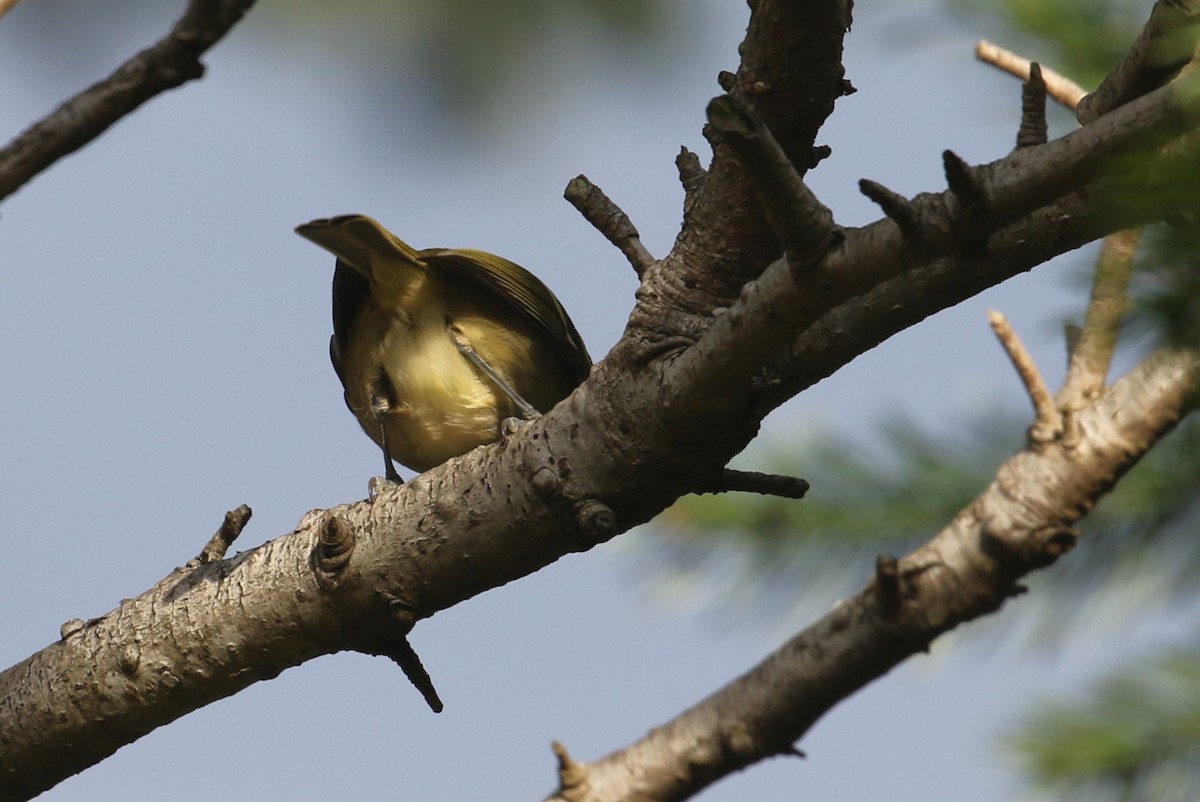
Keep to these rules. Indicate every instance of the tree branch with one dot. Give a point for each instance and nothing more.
(1065, 91)
(766, 484)
(874, 260)
(1033, 130)
(1047, 424)
(1020, 523)
(171, 62)
(791, 72)
(1090, 348)
(691, 176)
(609, 220)
(1092, 354)
(235, 521)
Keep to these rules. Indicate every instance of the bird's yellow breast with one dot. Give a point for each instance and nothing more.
(445, 406)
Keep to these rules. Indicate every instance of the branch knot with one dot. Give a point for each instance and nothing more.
(333, 550)
(596, 519)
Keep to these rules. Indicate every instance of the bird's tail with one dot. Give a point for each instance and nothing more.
(354, 238)
(392, 268)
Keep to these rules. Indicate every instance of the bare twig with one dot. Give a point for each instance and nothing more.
(766, 484)
(1071, 333)
(609, 220)
(691, 176)
(1033, 110)
(970, 218)
(572, 776)
(1089, 349)
(964, 181)
(171, 62)
(900, 209)
(1058, 86)
(1092, 354)
(404, 655)
(235, 521)
(1047, 424)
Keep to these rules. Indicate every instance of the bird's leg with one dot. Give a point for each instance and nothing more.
(380, 405)
(389, 468)
(464, 348)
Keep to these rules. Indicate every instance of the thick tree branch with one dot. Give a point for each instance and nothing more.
(791, 73)
(171, 62)
(865, 321)
(1020, 523)
(869, 259)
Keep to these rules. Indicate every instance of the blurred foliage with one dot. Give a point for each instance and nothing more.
(1134, 738)
(472, 55)
(866, 498)
(891, 495)
(456, 58)
(1167, 285)
(1082, 39)
(1166, 280)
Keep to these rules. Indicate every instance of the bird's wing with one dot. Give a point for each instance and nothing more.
(524, 291)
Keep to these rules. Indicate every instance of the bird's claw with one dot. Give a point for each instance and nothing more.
(379, 484)
(510, 426)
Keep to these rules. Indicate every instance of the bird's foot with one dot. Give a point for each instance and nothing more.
(510, 426)
(379, 484)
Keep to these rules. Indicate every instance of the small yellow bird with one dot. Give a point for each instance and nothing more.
(436, 347)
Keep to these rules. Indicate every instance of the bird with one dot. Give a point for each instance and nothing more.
(435, 348)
